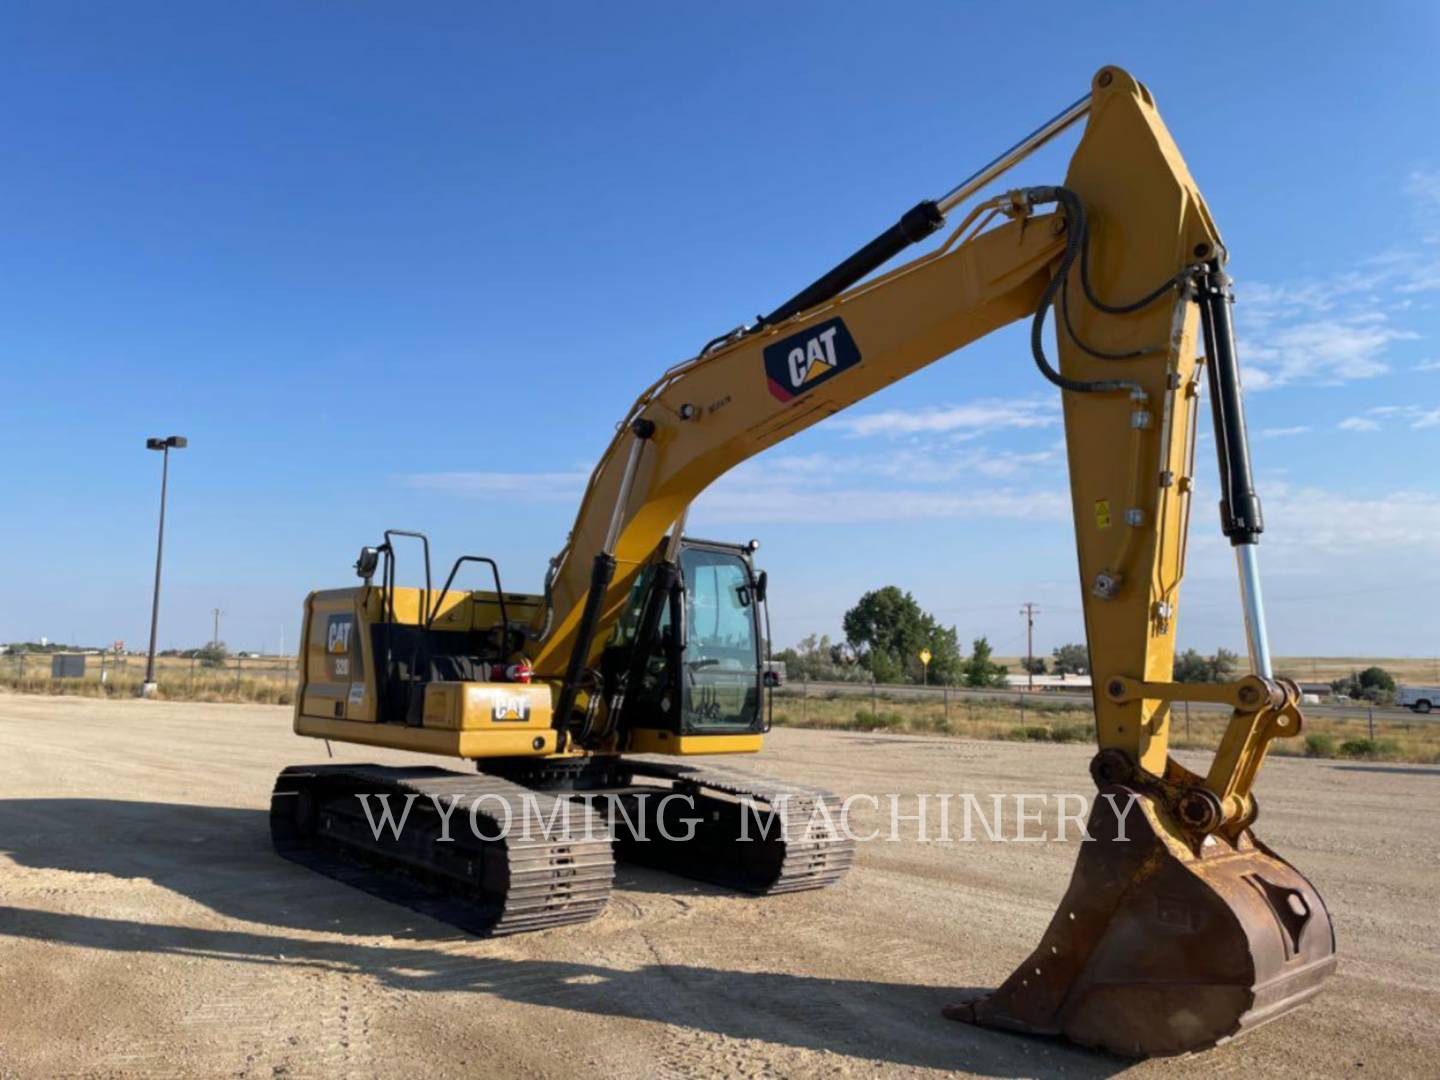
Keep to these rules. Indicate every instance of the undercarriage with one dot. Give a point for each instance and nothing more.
(534, 847)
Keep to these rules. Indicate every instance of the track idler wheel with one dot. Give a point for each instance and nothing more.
(1165, 943)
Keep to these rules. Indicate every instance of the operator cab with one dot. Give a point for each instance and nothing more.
(687, 652)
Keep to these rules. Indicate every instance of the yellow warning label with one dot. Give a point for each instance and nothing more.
(1102, 513)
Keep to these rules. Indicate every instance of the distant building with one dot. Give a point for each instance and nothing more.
(1022, 681)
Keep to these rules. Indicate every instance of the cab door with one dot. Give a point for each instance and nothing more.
(720, 660)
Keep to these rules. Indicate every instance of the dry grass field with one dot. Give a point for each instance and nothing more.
(1387, 734)
(1381, 734)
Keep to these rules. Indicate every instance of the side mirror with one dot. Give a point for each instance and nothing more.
(762, 586)
(367, 562)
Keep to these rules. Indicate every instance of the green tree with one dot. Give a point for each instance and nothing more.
(1193, 667)
(980, 670)
(887, 629)
(1373, 684)
(1223, 665)
(1071, 660)
(820, 659)
(1376, 678)
(1033, 665)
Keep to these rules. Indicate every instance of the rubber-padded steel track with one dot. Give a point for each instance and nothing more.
(752, 832)
(553, 867)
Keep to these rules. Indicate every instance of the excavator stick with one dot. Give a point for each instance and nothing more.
(1159, 948)
(1180, 929)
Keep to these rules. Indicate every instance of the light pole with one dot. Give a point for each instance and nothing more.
(165, 445)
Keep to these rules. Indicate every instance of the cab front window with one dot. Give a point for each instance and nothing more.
(720, 660)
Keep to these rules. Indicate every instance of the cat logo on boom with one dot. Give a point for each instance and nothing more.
(799, 363)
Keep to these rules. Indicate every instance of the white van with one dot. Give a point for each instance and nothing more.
(1419, 699)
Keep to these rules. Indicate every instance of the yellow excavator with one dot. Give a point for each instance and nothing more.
(1180, 928)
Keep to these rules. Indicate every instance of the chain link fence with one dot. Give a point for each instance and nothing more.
(261, 679)
(1363, 732)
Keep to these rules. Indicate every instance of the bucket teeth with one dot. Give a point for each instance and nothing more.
(1164, 947)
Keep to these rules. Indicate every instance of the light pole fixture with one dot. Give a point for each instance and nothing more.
(165, 445)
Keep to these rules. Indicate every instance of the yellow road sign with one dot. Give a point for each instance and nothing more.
(925, 657)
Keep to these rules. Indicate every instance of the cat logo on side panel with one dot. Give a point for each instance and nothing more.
(337, 634)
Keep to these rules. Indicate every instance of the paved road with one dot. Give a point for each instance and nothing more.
(146, 929)
(1352, 713)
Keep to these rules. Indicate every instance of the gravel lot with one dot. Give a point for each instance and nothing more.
(147, 929)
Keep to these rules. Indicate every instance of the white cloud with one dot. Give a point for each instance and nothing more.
(1415, 417)
(1305, 519)
(1423, 185)
(1283, 432)
(733, 502)
(1337, 328)
(1428, 365)
(926, 463)
(965, 421)
(895, 484)
(1408, 272)
(1328, 351)
(538, 486)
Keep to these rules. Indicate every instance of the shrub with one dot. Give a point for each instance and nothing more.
(1320, 745)
(1067, 733)
(1368, 748)
(212, 654)
(866, 720)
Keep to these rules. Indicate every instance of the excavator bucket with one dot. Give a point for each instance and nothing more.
(1163, 944)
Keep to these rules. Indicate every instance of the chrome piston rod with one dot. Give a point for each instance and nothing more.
(1012, 157)
(1257, 638)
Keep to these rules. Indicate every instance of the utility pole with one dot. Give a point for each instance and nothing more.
(216, 613)
(165, 445)
(1030, 611)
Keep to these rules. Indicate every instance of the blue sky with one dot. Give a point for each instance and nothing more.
(406, 265)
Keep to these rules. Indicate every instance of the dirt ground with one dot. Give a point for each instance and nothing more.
(147, 929)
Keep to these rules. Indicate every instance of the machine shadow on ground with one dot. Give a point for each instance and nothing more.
(1408, 770)
(221, 858)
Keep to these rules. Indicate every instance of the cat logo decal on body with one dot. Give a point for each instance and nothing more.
(797, 364)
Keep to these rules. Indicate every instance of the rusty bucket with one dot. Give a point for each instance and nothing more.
(1166, 942)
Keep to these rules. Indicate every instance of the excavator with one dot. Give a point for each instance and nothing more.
(645, 652)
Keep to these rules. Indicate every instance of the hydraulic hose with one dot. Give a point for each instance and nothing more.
(1075, 237)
